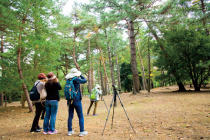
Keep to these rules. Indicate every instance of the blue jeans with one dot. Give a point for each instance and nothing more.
(77, 105)
(51, 107)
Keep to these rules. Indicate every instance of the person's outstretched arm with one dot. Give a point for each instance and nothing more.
(81, 80)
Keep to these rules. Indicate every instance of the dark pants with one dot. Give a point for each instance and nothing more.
(39, 109)
(43, 113)
(91, 103)
(77, 105)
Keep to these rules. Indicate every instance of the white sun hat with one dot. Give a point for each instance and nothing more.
(73, 72)
(97, 86)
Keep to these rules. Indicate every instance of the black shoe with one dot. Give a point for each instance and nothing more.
(40, 128)
(37, 130)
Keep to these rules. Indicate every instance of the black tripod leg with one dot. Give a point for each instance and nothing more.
(108, 115)
(112, 118)
(104, 102)
(125, 112)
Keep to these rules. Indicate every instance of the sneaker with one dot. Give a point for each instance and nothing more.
(81, 134)
(87, 114)
(49, 132)
(95, 115)
(44, 132)
(37, 130)
(52, 132)
(70, 133)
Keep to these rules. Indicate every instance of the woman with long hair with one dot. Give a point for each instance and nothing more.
(39, 105)
(51, 105)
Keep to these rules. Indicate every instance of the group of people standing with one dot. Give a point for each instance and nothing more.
(50, 104)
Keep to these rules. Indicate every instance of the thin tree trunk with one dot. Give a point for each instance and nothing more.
(98, 69)
(102, 59)
(118, 72)
(73, 54)
(105, 85)
(98, 73)
(2, 51)
(89, 70)
(66, 65)
(133, 58)
(142, 68)
(110, 60)
(92, 79)
(102, 81)
(148, 67)
(20, 70)
(74, 58)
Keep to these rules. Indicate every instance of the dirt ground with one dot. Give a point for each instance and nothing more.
(162, 114)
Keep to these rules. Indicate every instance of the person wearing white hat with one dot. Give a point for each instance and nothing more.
(98, 91)
(77, 102)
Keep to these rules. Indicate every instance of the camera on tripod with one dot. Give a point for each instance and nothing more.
(115, 88)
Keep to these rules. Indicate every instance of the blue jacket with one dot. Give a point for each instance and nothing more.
(77, 81)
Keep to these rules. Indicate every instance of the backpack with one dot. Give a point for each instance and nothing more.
(69, 90)
(34, 95)
(93, 94)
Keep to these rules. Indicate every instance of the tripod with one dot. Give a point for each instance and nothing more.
(114, 99)
(102, 99)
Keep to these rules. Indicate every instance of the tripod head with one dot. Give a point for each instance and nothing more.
(115, 88)
(115, 94)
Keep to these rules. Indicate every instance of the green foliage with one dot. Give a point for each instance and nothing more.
(188, 54)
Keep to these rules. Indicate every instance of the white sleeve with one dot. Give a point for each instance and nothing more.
(99, 91)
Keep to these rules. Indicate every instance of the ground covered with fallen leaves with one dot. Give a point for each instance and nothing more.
(162, 114)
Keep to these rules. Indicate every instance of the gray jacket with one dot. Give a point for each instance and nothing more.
(39, 87)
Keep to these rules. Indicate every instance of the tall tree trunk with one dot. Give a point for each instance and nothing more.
(118, 72)
(73, 54)
(89, 68)
(102, 81)
(2, 66)
(110, 60)
(142, 68)
(102, 59)
(105, 85)
(92, 79)
(148, 67)
(74, 58)
(204, 12)
(20, 70)
(133, 58)
(98, 71)
(179, 83)
(66, 64)
(98, 77)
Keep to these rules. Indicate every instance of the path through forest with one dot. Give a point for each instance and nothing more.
(160, 115)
